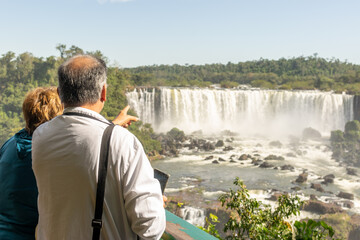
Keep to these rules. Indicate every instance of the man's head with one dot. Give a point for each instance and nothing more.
(81, 79)
(40, 105)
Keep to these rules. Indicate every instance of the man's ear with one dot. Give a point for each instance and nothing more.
(103, 94)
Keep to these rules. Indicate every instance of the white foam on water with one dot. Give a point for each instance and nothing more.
(347, 185)
(195, 216)
(173, 190)
(213, 195)
(185, 158)
(187, 179)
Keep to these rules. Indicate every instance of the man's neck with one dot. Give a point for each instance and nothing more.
(96, 107)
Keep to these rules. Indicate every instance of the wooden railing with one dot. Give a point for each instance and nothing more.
(179, 229)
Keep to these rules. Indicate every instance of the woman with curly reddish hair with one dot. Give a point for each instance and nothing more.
(18, 198)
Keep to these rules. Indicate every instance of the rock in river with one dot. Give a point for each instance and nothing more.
(329, 178)
(351, 171)
(243, 157)
(310, 133)
(266, 165)
(287, 167)
(321, 207)
(317, 187)
(219, 143)
(228, 148)
(274, 157)
(302, 178)
(346, 195)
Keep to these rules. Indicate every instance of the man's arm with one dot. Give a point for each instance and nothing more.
(143, 198)
(123, 119)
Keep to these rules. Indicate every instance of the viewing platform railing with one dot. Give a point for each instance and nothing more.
(179, 229)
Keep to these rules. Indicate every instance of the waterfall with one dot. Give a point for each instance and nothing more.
(195, 216)
(242, 111)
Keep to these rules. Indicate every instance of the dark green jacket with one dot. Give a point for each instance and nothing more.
(18, 190)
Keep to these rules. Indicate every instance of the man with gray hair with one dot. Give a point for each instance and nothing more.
(65, 155)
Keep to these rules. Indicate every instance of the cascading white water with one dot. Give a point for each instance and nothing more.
(243, 111)
(195, 216)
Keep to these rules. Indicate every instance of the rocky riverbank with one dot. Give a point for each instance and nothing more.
(182, 204)
(320, 189)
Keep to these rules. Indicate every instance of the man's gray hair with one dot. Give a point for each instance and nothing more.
(81, 79)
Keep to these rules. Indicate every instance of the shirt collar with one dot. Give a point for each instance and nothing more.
(85, 111)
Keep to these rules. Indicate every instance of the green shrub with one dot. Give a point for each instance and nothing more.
(352, 126)
(340, 222)
(251, 219)
(229, 84)
(312, 230)
(144, 133)
(256, 220)
(337, 136)
(176, 134)
(285, 86)
(302, 85)
(352, 136)
(262, 84)
(211, 226)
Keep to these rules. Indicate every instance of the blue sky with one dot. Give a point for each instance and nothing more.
(146, 32)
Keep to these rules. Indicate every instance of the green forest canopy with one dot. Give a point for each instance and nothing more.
(19, 74)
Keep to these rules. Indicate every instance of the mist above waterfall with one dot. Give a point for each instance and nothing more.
(247, 112)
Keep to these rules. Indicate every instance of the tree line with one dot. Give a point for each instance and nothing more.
(22, 72)
(300, 73)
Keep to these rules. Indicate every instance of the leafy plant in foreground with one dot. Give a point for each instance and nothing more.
(251, 219)
(255, 220)
(211, 226)
(312, 230)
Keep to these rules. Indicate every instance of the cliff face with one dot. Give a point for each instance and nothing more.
(356, 107)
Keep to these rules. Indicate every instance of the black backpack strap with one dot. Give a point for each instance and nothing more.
(103, 163)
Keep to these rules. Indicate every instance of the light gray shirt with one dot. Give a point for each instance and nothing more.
(65, 153)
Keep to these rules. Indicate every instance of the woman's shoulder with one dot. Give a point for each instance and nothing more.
(20, 138)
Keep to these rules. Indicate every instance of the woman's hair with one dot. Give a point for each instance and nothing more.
(41, 105)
